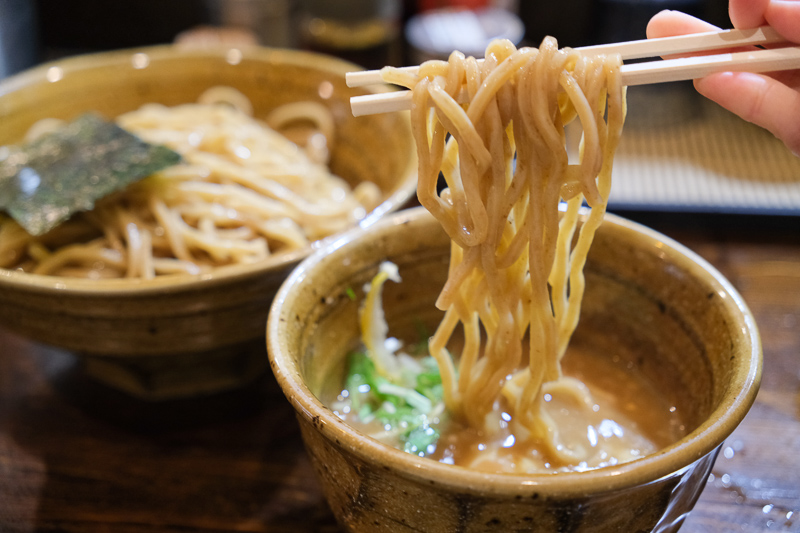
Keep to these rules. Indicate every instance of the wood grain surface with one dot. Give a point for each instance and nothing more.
(78, 457)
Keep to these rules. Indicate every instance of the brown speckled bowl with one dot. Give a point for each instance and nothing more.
(177, 336)
(648, 300)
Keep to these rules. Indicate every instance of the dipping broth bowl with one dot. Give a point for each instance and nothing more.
(178, 336)
(648, 300)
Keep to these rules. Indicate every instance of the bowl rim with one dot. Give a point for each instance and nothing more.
(675, 458)
(36, 283)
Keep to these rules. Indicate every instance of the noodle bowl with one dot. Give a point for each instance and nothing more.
(179, 335)
(646, 301)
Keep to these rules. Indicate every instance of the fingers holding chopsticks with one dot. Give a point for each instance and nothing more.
(770, 101)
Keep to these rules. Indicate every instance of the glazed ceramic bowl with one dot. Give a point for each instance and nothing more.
(648, 300)
(184, 335)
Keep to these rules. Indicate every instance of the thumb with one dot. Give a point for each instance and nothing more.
(784, 16)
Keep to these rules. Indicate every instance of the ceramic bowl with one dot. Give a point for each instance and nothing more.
(648, 300)
(175, 336)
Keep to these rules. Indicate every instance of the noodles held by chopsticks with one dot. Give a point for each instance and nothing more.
(516, 264)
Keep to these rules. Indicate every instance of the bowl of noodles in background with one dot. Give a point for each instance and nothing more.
(163, 289)
(661, 333)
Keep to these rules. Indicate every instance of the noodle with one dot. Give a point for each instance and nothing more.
(242, 192)
(515, 282)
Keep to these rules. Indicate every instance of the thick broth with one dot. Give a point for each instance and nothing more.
(622, 418)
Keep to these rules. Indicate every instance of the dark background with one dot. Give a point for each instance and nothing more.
(32, 31)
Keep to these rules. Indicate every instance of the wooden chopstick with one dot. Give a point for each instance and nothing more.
(688, 68)
(682, 44)
(639, 73)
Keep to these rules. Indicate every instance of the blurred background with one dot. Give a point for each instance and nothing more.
(370, 32)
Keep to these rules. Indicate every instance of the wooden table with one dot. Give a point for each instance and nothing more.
(78, 457)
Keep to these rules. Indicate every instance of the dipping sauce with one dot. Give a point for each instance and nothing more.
(620, 417)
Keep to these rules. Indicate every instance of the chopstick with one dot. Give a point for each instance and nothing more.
(659, 71)
(688, 68)
(682, 44)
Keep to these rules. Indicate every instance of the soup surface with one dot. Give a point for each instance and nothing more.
(619, 417)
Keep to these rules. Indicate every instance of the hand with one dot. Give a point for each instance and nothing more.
(771, 101)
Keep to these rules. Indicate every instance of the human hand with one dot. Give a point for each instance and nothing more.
(770, 101)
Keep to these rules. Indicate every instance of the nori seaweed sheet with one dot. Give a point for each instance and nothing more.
(44, 182)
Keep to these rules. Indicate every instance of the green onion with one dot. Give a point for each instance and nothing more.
(412, 397)
(400, 409)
